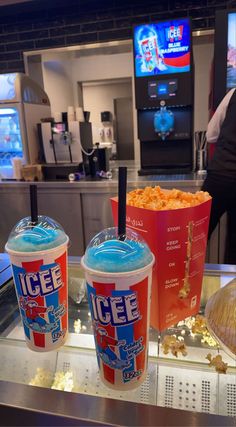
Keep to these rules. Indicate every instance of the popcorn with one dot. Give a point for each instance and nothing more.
(200, 327)
(63, 381)
(208, 339)
(189, 321)
(77, 326)
(171, 343)
(155, 198)
(217, 362)
(42, 378)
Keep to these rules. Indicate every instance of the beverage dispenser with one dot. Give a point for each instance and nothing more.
(67, 146)
(61, 142)
(23, 103)
(164, 96)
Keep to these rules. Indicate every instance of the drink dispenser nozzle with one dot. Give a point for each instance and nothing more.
(163, 121)
(66, 138)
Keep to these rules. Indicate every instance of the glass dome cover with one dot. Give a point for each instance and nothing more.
(107, 253)
(220, 315)
(28, 236)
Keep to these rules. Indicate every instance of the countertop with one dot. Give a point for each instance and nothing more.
(133, 179)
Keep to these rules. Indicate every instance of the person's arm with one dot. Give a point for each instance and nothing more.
(110, 340)
(214, 126)
(40, 310)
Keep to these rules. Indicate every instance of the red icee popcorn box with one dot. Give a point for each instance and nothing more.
(178, 239)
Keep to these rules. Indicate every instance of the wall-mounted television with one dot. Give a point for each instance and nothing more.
(162, 48)
(224, 75)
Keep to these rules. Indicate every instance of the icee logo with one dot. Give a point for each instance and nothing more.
(117, 311)
(41, 283)
(174, 33)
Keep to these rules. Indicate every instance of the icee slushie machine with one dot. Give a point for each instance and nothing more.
(23, 103)
(163, 64)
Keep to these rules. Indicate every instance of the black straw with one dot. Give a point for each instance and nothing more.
(122, 202)
(33, 203)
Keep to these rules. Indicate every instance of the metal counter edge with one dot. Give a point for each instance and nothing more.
(27, 405)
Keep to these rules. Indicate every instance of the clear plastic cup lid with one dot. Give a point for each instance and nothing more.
(107, 253)
(28, 236)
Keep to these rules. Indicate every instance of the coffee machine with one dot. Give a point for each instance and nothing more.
(63, 144)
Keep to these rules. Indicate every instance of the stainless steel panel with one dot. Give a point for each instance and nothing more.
(14, 205)
(97, 213)
(33, 113)
(187, 389)
(34, 406)
(227, 395)
(64, 207)
(86, 377)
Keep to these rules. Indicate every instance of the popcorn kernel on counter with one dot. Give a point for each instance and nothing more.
(171, 344)
(217, 362)
(156, 198)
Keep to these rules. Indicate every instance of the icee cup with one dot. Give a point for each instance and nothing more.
(118, 275)
(38, 254)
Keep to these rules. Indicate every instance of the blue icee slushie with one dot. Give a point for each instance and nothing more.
(38, 254)
(118, 275)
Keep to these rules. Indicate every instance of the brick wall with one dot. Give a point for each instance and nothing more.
(56, 23)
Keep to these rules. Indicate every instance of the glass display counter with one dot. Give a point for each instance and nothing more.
(185, 382)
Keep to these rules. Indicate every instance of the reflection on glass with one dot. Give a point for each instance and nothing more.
(7, 86)
(10, 136)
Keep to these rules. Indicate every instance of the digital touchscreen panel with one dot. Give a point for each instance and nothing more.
(162, 89)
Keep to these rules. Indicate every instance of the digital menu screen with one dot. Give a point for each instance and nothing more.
(231, 52)
(162, 48)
